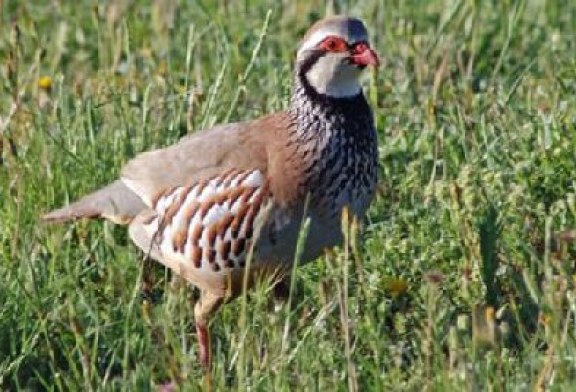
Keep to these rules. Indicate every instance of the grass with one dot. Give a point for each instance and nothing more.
(464, 277)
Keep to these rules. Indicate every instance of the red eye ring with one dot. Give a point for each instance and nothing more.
(333, 44)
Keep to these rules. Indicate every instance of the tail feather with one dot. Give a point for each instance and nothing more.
(115, 202)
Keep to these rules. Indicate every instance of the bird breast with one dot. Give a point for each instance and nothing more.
(337, 152)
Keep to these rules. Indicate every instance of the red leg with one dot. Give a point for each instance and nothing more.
(205, 352)
(204, 308)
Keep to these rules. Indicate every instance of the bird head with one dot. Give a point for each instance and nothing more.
(333, 54)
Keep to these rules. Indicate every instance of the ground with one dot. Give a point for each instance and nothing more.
(464, 276)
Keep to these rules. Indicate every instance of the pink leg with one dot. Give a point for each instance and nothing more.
(203, 335)
(205, 307)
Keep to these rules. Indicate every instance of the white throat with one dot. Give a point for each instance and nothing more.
(330, 77)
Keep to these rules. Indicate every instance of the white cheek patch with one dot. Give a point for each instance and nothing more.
(332, 76)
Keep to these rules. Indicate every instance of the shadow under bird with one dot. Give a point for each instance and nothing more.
(201, 205)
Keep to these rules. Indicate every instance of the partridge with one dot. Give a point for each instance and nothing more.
(201, 206)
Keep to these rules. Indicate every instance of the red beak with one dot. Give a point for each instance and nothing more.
(364, 56)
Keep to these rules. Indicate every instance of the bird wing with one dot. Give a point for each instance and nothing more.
(203, 155)
(196, 157)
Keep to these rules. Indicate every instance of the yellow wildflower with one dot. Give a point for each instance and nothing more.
(544, 318)
(395, 286)
(45, 82)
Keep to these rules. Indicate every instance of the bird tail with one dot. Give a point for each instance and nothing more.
(115, 202)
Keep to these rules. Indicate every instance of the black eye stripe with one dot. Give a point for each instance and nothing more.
(306, 64)
(302, 68)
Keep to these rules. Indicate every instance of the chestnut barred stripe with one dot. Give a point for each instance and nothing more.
(210, 224)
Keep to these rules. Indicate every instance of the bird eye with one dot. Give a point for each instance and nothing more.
(334, 44)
